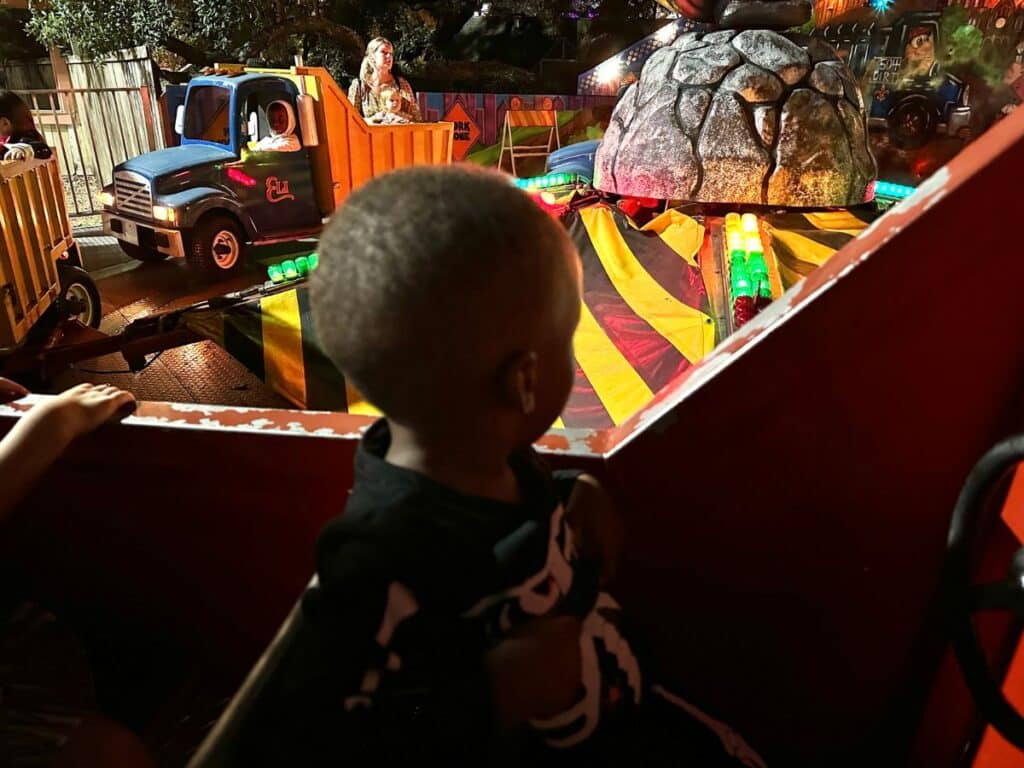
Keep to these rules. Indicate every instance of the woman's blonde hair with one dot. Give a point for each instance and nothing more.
(367, 71)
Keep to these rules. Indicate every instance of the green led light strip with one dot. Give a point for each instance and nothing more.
(293, 269)
(550, 180)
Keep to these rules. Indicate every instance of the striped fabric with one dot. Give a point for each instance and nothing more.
(530, 118)
(802, 242)
(645, 314)
(644, 320)
(274, 338)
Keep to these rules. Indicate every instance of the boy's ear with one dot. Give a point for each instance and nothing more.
(519, 382)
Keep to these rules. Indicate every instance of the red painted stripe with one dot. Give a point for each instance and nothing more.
(584, 409)
(647, 351)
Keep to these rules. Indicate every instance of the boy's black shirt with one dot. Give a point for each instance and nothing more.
(416, 582)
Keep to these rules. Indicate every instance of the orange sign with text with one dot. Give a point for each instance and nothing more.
(466, 131)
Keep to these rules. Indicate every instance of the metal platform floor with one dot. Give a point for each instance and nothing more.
(199, 373)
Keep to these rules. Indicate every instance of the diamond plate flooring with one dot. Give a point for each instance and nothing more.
(198, 373)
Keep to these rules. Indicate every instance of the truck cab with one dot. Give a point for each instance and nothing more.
(252, 169)
(203, 200)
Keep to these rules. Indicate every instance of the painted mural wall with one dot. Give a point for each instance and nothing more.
(933, 78)
(480, 117)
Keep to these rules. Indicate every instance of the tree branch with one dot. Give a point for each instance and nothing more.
(189, 53)
(320, 27)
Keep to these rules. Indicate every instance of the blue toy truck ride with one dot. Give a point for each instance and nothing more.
(265, 156)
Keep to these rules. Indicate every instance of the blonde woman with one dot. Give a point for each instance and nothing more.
(377, 73)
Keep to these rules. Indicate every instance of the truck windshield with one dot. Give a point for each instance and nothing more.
(207, 114)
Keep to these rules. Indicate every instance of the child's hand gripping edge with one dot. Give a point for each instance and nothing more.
(45, 432)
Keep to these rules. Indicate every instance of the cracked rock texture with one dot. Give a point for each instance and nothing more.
(750, 117)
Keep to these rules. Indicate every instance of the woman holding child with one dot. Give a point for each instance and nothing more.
(379, 86)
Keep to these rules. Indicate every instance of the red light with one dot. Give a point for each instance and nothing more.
(869, 193)
(236, 174)
(743, 310)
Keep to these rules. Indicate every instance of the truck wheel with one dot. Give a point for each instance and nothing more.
(912, 124)
(79, 297)
(216, 246)
(139, 253)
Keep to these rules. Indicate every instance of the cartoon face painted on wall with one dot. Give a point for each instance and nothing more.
(919, 52)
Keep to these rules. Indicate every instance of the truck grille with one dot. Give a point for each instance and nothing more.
(132, 194)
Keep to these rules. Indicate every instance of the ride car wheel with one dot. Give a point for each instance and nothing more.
(216, 246)
(79, 297)
(912, 124)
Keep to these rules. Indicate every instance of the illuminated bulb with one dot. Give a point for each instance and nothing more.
(611, 70)
(666, 34)
(753, 244)
(741, 287)
(734, 241)
(302, 266)
(275, 274)
(732, 221)
(313, 260)
(288, 267)
(749, 223)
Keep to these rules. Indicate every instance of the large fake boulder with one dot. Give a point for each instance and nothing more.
(740, 117)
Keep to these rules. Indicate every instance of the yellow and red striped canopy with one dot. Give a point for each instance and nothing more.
(645, 319)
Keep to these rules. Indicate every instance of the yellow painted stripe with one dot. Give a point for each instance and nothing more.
(358, 404)
(679, 232)
(617, 385)
(805, 248)
(687, 329)
(282, 346)
(836, 221)
(789, 276)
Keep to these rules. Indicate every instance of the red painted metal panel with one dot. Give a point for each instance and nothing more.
(198, 520)
(788, 500)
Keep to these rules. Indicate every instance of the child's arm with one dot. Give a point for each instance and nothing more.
(536, 673)
(45, 432)
(596, 526)
(24, 144)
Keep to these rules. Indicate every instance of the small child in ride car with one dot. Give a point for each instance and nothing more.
(460, 616)
(282, 138)
(392, 98)
(19, 139)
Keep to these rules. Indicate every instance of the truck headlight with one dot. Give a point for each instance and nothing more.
(107, 199)
(163, 213)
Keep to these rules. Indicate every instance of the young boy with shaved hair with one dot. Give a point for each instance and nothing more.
(459, 617)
